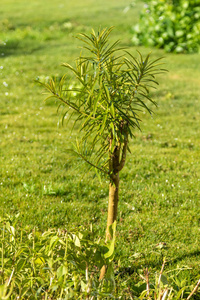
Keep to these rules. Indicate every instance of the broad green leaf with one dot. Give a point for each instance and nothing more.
(39, 261)
(112, 231)
(20, 264)
(180, 293)
(83, 286)
(76, 240)
(110, 252)
(164, 280)
(110, 275)
(62, 270)
(53, 240)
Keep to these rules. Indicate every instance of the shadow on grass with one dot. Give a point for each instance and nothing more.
(156, 265)
(16, 48)
(189, 255)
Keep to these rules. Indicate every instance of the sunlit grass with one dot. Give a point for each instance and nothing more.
(159, 200)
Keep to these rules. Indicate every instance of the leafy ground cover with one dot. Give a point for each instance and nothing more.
(159, 200)
(57, 264)
(172, 25)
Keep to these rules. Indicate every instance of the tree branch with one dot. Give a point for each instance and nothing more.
(123, 158)
(90, 163)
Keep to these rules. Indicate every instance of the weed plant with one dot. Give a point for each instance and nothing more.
(61, 265)
(172, 25)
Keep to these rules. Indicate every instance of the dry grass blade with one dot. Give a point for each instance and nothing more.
(161, 272)
(194, 290)
(147, 281)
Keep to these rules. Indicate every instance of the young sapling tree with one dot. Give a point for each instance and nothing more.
(112, 89)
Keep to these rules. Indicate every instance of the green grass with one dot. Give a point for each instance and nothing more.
(159, 196)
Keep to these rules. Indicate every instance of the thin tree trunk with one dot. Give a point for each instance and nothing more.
(113, 203)
(112, 213)
(115, 166)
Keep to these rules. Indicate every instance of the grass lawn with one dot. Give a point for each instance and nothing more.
(159, 211)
